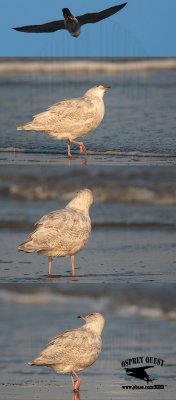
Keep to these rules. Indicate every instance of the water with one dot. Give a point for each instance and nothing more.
(139, 119)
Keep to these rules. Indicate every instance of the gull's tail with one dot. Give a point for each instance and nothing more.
(25, 127)
(26, 247)
(31, 363)
(37, 361)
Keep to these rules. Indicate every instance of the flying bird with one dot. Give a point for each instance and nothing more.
(62, 233)
(139, 373)
(70, 23)
(74, 350)
(72, 118)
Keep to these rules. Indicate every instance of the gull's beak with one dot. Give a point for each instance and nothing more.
(106, 88)
(67, 14)
(81, 317)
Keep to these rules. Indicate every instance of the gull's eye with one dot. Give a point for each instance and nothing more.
(91, 314)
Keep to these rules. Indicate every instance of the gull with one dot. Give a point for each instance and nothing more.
(70, 23)
(72, 118)
(74, 350)
(62, 233)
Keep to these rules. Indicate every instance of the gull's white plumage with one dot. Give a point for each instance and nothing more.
(72, 118)
(74, 350)
(64, 232)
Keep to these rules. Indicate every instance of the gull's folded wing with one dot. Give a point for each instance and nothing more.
(48, 27)
(95, 17)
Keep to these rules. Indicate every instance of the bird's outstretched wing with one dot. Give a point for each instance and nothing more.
(44, 28)
(95, 17)
(139, 368)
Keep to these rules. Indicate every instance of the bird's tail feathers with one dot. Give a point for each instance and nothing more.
(26, 247)
(40, 361)
(25, 127)
(31, 363)
(37, 361)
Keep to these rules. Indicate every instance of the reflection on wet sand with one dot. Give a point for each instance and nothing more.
(83, 162)
(51, 278)
(76, 396)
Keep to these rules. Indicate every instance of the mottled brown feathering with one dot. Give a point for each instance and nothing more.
(63, 232)
(75, 349)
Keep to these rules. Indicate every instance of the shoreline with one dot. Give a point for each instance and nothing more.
(14, 157)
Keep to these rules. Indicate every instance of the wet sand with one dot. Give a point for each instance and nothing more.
(106, 159)
(112, 255)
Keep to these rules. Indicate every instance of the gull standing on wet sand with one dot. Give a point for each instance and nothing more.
(62, 233)
(74, 350)
(72, 118)
(70, 23)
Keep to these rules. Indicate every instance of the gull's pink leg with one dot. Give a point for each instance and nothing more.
(78, 381)
(69, 151)
(50, 266)
(73, 266)
(81, 145)
(72, 379)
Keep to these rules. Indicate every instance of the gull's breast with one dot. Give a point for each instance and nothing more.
(72, 26)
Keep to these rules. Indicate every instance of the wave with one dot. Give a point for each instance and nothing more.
(132, 154)
(33, 191)
(11, 150)
(150, 313)
(121, 306)
(23, 66)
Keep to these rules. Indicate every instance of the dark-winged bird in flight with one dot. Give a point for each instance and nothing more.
(70, 23)
(139, 373)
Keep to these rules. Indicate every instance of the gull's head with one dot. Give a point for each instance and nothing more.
(67, 14)
(82, 201)
(97, 91)
(94, 321)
